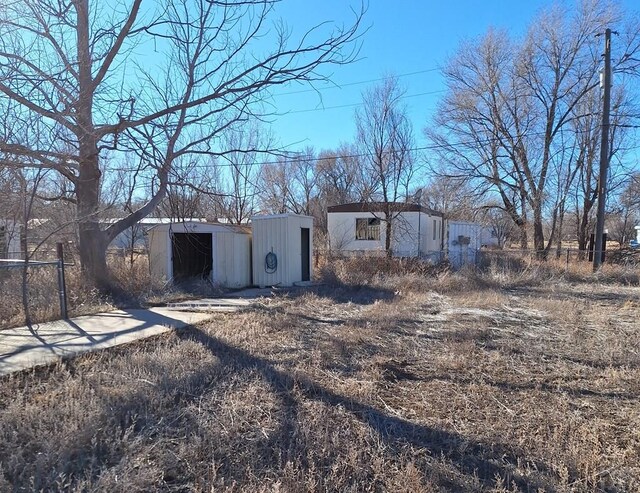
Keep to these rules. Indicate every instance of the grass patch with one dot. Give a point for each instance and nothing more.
(474, 384)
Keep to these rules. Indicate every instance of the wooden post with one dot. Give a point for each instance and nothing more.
(62, 292)
(599, 246)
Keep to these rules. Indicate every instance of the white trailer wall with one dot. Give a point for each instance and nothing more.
(281, 235)
(414, 233)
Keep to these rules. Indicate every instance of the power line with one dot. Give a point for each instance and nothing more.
(351, 105)
(357, 83)
(295, 159)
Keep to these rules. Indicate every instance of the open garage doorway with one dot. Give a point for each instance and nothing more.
(192, 255)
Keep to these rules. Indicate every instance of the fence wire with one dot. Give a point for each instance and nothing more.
(31, 291)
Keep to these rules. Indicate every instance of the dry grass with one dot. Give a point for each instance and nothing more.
(134, 288)
(477, 384)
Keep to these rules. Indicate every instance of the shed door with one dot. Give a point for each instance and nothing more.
(306, 254)
(192, 255)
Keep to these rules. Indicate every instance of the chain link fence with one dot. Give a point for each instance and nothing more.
(32, 290)
(511, 259)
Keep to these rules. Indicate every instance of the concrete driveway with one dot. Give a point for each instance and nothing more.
(41, 344)
(45, 343)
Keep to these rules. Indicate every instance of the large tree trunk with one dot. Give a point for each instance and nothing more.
(92, 240)
(538, 232)
(584, 229)
(524, 236)
(387, 239)
(93, 255)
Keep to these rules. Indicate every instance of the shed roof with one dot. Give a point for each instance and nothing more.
(380, 206)
(271, 216)
(234, 228)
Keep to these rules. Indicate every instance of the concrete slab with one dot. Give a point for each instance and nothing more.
(40, 344)
(253, 293)
(212, 304)
(230, 302)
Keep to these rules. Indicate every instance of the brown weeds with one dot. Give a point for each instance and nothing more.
(470, 385)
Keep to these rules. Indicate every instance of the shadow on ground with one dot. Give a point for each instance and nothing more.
(473, 461)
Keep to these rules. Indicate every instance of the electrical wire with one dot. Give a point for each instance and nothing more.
(295, 159)
(351, 105)
(357, 83)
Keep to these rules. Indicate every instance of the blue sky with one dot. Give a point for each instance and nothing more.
(409, 38)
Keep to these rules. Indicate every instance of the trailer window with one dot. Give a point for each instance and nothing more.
(367, 229)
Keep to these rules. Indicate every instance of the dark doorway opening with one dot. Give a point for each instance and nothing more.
(192, 255)
(306, 254)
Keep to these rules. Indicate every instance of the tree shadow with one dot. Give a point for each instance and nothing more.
(38, 344)
(485, 461)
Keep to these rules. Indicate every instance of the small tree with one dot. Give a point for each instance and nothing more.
(621, 224)
(385, 138)
(503, 229)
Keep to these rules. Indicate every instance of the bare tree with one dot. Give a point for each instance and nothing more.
(92, 78)
(626, 211)
(193, 191)
(503, 229)
(305, 182)
(339, 176)
(466, 128)
(385, 139)
(455, 198)
(507, 119)
(276, 180)
(240, 170)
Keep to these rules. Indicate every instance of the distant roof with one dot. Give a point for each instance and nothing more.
(380, 206)
(155, 220)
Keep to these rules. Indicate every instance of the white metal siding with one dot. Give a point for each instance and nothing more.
(231, 260)
(412, 233)
(11, 235)
(281, 235)
(230, 252)
(461, 254)
(159, 257)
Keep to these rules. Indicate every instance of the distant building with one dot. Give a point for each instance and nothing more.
(10, 246)
(417, 231)
(464, 241)
(135, 237)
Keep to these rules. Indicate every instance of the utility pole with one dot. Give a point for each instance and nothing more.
(604, 152)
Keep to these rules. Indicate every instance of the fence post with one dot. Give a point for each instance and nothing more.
(62, 292)
(567, 259)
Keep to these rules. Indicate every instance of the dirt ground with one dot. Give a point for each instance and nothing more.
(396, 387)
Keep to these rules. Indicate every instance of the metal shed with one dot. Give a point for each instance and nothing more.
(214, 251)
(282, 249)
(464, 241)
